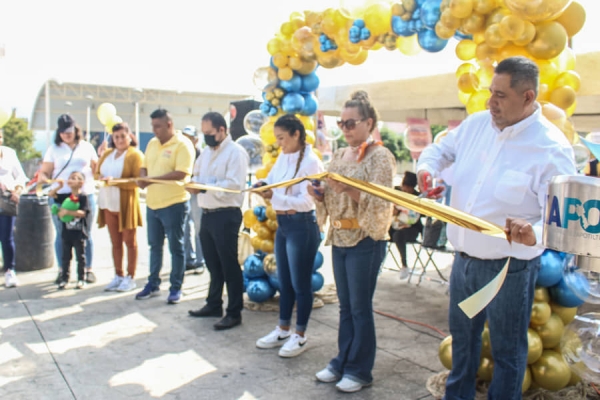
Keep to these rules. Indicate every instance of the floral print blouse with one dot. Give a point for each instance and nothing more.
(374, 215)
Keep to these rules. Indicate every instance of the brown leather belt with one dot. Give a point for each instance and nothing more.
(351, 223)
(286, 212)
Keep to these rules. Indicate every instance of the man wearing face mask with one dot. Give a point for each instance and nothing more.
(224, 164)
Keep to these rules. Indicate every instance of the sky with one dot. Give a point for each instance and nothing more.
(207, 46)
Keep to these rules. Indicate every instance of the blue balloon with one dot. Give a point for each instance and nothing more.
(260, 254)
(274, 281)
(563, 295)
(318, 261)
(310, 82)
(458, 35)
(401, 27)
(430, 13)
(317, 281)
(273, 65)
(421, 2)
(292, 103)
(365, 33)
(246, 282)
(310, 105)
(430, 42)
(416, 15)
(253, 267)
(551, 270)
(292, 85)
(359, 23)
(260, 290)
(273, 111)
(354, 32)
(261, 213)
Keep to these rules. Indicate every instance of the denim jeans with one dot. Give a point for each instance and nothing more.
(193, 254)
(508, 317)
(7, 238)
(355, 270)
(167, 221)
(90, 220)
(296, 245)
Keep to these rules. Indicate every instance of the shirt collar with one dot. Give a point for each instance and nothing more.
(222, 145)
(514, 130)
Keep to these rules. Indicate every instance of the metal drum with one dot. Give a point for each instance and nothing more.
(572, 216)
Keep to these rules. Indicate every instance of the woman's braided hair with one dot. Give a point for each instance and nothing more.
(291, 124)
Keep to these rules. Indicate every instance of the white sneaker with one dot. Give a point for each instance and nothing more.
(127, 284)
(347, 385)
(403, 273)
(293, 347)
(114, 284)
(80, 284)
(326, 376)
(274, 339)
(10, 279)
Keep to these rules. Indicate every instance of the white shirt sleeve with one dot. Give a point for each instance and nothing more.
(439, 156)
(299, 200)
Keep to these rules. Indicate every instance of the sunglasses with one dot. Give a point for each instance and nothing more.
(349, 124)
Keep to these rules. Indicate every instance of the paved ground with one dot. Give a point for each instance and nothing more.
(89, 344)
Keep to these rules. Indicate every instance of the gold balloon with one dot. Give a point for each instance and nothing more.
(527, 36)
(540, 313)
(445, 352)
(272, 225)
(551, 372)
(485, 74)
(553, 113)
(551, 331)
(541, 295)
(359, 58)
(569, 78)
(105, 112)
(377, 18)
(575, 379)
(511, 27)
(486, 343)
(479, 37)
(485, 52)
(449, 20)
(280, 60)
(463, 97)
(468, 83)
(465, 50)
(269, 264)
(566, 314)
(493, 37)
(570, 111)
(267, 245)
(535, 346)
(310, 137)
(486, 369)
(443, 31)
(271, 215)
(526, 380)
(496, 16)
(255, 241)
(549, 41)
(249, 218)
(464, 69)
(307, 67)
(478, 101)
(511, 50)
(261, 173)
(572, 19)
(473, 24)
(563, 97)
(408, 46)
(461, 8)
(537, 10)
(285, 74)
(484, 6)
(548, 72)
(274, 46)
(565, 61)
(287, 29)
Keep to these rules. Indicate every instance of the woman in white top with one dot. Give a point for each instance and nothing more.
(297, 238)
(12, 180)
(68, 154)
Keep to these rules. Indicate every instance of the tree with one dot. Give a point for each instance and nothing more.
(19, 138)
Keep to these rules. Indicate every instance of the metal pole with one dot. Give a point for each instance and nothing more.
(87, 123)
(47, 124)
(137, 122)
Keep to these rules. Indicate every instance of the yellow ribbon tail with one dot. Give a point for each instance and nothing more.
(479, 300)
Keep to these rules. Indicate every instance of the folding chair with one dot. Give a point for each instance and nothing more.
(390, 252)
(426, 251)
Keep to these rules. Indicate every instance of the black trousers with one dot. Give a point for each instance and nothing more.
(219, 238)
(68, 244)
(402, 237)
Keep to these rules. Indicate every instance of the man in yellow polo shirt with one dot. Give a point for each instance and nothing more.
(170, 157)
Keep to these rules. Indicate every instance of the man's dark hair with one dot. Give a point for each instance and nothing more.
(161, 113)
(216, 120)
(524, 73)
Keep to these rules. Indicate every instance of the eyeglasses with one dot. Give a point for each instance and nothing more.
(349, 124)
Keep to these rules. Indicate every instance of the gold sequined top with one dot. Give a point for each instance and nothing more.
(374, 215)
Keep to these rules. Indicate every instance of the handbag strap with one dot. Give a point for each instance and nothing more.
(68, 161)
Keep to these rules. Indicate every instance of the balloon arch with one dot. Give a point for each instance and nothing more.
(488, 31)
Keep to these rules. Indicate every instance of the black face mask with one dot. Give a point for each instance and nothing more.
(211, 141)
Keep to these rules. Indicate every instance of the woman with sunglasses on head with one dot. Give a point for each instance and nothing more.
(358, 232)
(71, 153)
(297, 238)
(119, 204)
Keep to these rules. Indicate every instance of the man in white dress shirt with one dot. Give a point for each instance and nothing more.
(503, 160)
(223, 163)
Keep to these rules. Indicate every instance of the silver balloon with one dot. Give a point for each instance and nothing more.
(582, 156)
(255, 149)
(253, 121)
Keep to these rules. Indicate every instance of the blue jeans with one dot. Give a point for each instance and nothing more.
(508, 317)
(193, 254)
(7, 238)
(89, 246)
(167, 221)
(355, 270)
(296, 245)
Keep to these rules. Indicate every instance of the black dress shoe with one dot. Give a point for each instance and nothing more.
(206, 311)
(227, 323)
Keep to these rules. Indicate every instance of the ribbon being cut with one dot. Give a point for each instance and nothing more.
(471, 306)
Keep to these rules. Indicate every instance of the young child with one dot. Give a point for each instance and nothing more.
(75, 232)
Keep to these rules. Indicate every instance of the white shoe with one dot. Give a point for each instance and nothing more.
(114, 284)
(127, 284)
(326, 376)
(293, 347)
(274, 339)
(403, 273)
(347, 385)
(10, 279)
(80, 284)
